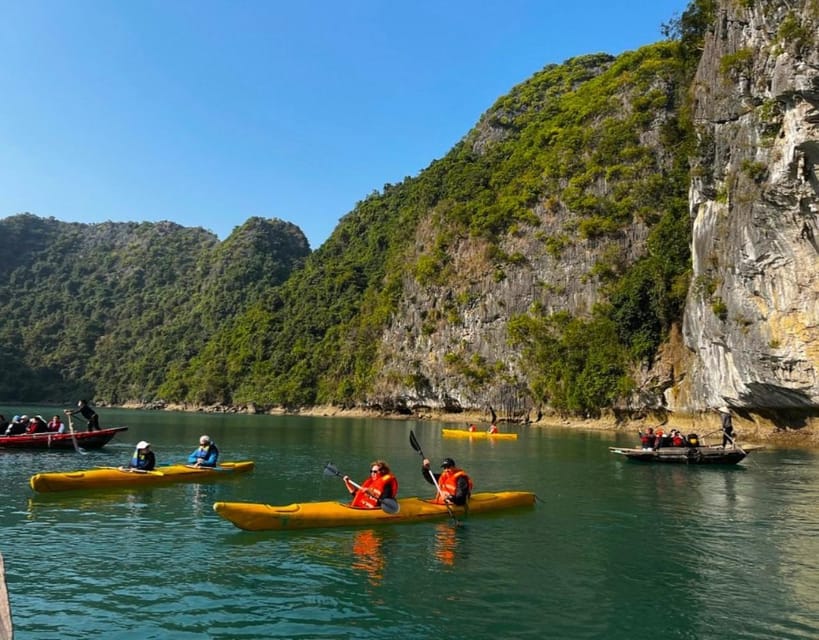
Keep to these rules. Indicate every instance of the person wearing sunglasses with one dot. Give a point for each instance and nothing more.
(380, 484)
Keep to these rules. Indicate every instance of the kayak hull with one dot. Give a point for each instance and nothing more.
(311, 515)
(114, 477)
(461, 433)
(84, 439)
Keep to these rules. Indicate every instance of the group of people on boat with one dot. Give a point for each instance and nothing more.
(205, 455)
(454, 486)
(25, 425)
(651, 439)
(655, 439)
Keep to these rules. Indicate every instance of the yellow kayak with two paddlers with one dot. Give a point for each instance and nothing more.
(253, 516)
(112, 477)
(464, 433)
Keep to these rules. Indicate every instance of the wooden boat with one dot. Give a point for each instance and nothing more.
(463, 433)
(309, 515)
(706, 454)
(51, 440)
(112, 477)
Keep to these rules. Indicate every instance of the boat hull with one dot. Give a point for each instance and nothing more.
(311, 515)
(462, 433)
(114, 477)
(84, 439)
(684, 455)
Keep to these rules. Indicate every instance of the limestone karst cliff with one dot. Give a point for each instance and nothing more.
(751, 322)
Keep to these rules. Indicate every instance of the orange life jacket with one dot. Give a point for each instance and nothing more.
(448, 483)
(363, 500)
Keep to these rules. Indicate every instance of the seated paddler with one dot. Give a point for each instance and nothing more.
(454, 484)
(380, 484)
(205, 455)
(143, 458)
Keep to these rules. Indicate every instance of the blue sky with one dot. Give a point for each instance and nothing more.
(209, 112)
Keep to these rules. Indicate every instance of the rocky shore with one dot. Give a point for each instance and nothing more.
(750, 430)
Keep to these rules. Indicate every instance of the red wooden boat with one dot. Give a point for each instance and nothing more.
(84, 439)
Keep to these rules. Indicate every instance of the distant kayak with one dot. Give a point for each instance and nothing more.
(311, 515)
(463, 433)
(112, 477)
(52, 440)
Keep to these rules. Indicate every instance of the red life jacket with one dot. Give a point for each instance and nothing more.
(363, 500)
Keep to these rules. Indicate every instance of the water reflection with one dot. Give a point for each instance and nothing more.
(445, 546)
(368, 555)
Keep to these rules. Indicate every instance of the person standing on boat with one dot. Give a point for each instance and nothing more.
(727, 426)
(454, 484)
(143, 458)
(647, 438)
(381, 484)
(85, 410)
(205, 455)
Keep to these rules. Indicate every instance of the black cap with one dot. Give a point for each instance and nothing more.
(448, 462)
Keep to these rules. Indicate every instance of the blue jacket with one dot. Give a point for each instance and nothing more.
(145, 461)
(208, 455)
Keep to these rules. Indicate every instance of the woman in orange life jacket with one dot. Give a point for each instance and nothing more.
(454, 485)
(493, 428)
(381, 484)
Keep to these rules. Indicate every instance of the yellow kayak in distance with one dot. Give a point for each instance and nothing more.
(114, 477)
(463, 433)
(252, 516)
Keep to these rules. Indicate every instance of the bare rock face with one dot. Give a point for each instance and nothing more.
(752, 316)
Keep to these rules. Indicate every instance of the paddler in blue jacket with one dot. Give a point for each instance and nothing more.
(143, 458)
(206, 455)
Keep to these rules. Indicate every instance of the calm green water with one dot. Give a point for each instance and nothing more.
(614, 549)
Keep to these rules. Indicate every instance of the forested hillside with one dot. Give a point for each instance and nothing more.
(104, 310)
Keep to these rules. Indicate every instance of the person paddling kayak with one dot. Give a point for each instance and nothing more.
(205, 455)
(380, 485)
(143, 458)
(454, 484)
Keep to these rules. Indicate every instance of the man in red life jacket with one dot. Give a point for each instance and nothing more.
(647, 438)
(454, 485)
(381, 484)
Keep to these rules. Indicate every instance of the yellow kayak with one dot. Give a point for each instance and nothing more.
(309, 515)
(110, 477)
(463, 433)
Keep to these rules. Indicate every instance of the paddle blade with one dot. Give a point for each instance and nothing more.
(414, 443)
(389, 505)
(330, 470)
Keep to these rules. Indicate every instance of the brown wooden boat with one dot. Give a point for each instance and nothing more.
(705, 454)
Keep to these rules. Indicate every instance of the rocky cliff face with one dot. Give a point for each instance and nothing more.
(447, 346)
(751, 323)
(750, 333)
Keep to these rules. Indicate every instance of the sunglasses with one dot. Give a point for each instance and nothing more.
(374, 470)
